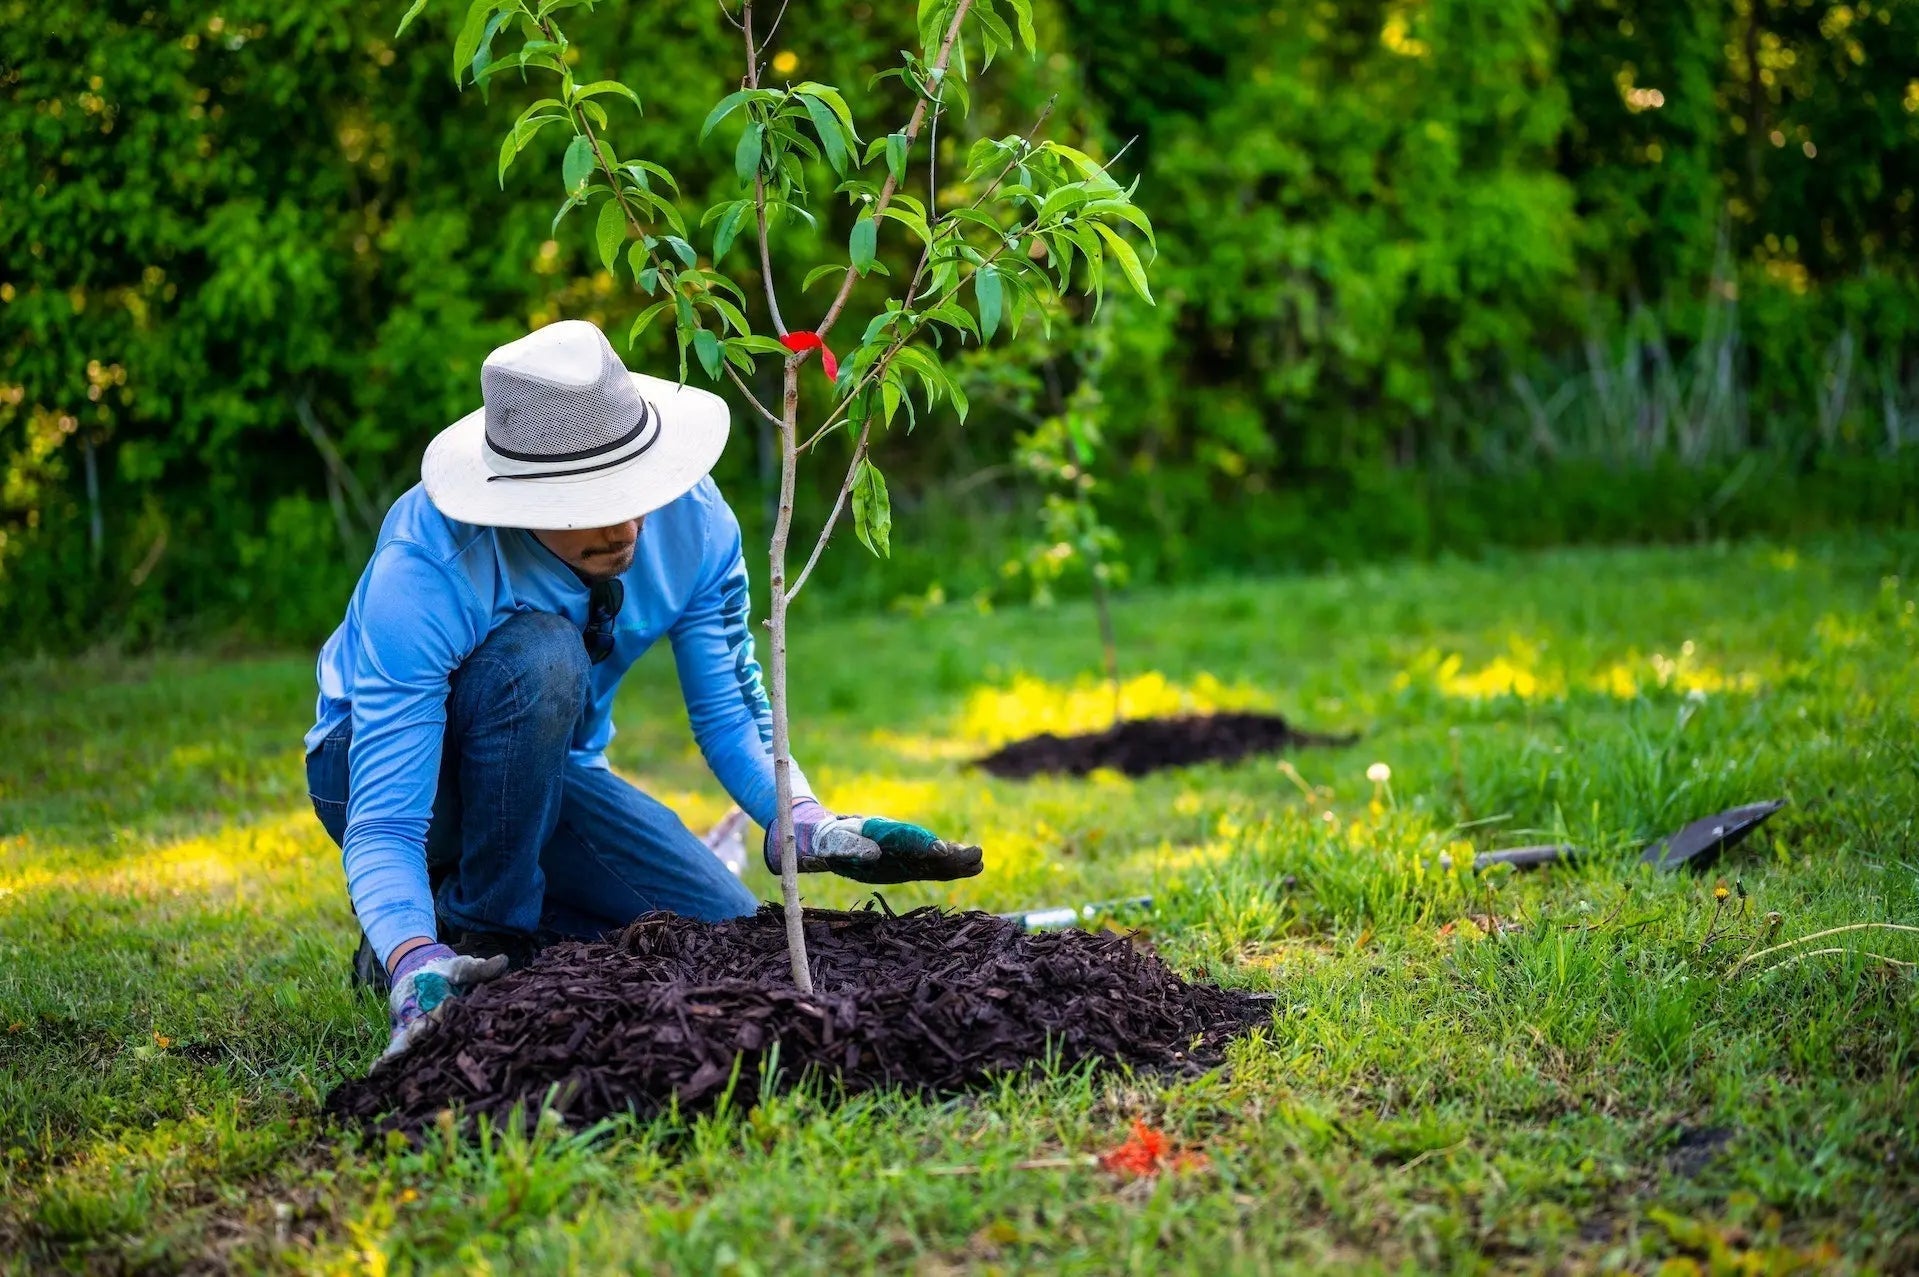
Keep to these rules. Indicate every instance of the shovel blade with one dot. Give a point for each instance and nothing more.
(1702, 840)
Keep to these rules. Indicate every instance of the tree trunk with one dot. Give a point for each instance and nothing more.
(776, 686)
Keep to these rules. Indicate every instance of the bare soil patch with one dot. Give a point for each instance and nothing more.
(1141, 745)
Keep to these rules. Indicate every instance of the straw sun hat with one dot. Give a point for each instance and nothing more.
(568, 438)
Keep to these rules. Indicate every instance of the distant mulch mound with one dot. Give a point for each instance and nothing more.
(928, 1001)
(1141, 745)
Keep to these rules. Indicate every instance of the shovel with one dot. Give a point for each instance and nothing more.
(1696, 844)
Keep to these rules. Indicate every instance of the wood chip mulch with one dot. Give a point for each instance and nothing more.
(927, 1001)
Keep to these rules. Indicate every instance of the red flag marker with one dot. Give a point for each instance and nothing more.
(812, 341)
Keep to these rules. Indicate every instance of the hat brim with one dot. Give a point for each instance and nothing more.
(693, 430)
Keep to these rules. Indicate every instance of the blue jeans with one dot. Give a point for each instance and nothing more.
(523, 838)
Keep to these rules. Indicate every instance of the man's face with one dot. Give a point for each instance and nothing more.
(597, 554)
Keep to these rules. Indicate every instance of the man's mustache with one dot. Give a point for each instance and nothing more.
(598, 550)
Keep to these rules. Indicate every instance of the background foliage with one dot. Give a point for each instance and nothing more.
(1432, 276)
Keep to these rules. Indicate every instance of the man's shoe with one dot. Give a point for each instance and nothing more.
(368, 971)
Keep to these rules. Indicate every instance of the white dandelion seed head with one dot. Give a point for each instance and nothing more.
(1379, 773)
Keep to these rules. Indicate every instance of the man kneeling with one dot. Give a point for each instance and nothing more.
(465, 701)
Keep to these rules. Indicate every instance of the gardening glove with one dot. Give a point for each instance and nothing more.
(426, 979)
(870, 849)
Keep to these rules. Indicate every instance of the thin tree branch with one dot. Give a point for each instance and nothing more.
(599, 157)
(833, 517)
(879, 365)
(926, 253)
(752, 398)
(933, 154)
(759, 178)
(774, 29)
(913, 126)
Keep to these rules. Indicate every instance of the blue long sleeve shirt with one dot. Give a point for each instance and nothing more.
(432, 592)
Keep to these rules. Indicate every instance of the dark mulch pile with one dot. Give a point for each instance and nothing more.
(1141, 745)
(928, 1001)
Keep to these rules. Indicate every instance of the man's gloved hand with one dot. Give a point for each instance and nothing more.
(871, 850)
(423, 982)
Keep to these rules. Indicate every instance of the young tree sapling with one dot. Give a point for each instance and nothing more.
(1028, 221)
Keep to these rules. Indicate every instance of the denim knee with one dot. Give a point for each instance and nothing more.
(540, 657)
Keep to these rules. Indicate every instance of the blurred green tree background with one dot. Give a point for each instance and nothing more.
(1432, 276)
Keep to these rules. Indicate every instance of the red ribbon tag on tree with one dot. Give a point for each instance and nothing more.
(812, 341)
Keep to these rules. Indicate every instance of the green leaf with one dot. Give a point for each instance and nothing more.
(746, 156)
(975, 216)
(509, 148)
(910, 219)
(1128, 260)
(539, 106)
(926, 365)
(863, 244)
(1086, 164)
(671, 215)
(725, 107)
(759, 345)
(640, 168)
(483, 56)
(827, 125)
(728, 228)
(517, 138)
(932, 19)
(1023, 13)
(956, 318)
(646, 317)
(896, 156)
(413, 11)
(472, 31)
(831, 96)
(986, 290)
(872, 510)
(682, 249)
(1126, 210)
(610, 232)
(646, 276)
(994, 33)
(578, 164)
(818, 273)
(707, 347)
(717, 282)
(599, 87)
(729, 312)
(1063, 200)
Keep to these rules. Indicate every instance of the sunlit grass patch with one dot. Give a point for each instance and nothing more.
(1526, 672)
(1460, 1072)
(1027, 705)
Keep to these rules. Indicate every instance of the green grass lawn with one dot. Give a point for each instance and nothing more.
(1564, 1070)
